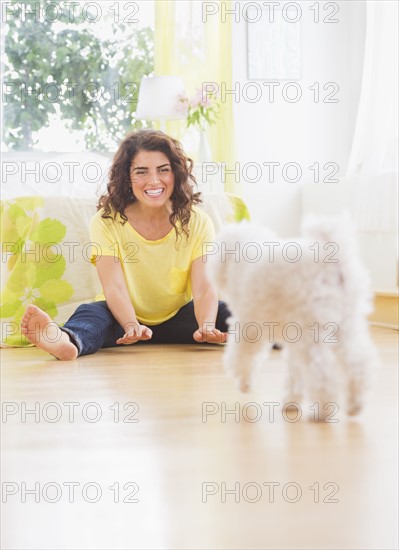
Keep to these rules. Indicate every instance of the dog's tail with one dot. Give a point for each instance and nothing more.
(335, 237)
(335, 242)
(330, 229)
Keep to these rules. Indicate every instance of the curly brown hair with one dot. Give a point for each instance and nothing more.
(119, 192)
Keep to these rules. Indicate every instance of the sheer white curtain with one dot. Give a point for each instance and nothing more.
(373, 164)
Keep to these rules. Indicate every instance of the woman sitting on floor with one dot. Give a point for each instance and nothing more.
(148, 241)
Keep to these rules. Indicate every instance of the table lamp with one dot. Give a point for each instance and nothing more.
(159, 99)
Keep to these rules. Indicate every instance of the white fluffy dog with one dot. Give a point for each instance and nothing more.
(311, 294)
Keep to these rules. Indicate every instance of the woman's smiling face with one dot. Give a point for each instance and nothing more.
(152, 178)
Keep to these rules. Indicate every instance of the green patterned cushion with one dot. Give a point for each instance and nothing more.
(44, 259)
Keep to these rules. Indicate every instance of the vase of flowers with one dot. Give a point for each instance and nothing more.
(201, 112)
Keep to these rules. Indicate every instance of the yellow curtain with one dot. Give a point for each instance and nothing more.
(198, 49)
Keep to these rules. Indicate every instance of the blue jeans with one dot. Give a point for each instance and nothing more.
(93, 326)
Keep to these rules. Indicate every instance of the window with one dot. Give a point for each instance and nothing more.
(72, 72)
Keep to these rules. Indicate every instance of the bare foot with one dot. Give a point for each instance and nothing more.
(38, 327)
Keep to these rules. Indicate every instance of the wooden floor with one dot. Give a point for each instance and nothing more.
(203, 481)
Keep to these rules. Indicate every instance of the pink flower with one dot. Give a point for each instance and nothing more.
(206, 101)
(196, 99)
(182, 104)
(201, 109)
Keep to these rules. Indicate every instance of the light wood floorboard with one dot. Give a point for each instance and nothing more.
(170, 453)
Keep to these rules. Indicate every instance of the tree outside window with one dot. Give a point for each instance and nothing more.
(72, 68)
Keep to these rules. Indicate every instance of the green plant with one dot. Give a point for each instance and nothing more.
(64, 69)
(200, 111)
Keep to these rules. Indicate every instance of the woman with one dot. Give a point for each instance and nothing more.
(147, 244)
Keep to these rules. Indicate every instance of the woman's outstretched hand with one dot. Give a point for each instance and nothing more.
(210, 335)
(135, 333)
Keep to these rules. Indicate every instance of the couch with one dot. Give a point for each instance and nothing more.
(46, 248)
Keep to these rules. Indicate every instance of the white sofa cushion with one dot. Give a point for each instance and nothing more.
(45, 255)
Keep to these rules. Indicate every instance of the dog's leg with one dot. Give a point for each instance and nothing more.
(239, 360)
(358, 356)
(294, 387)
(321, 380)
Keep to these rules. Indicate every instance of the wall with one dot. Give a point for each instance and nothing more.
(304, 132)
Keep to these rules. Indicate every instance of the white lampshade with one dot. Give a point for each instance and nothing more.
(158, 98)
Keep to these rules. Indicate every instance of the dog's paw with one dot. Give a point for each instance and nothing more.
(354, 409)
(244, 384)
(292, 406)
(293, 400)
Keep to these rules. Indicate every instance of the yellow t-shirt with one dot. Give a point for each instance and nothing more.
(157, 273)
